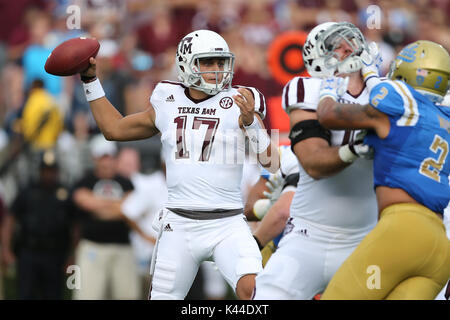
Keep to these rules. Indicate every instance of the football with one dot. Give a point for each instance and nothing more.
(71, 56)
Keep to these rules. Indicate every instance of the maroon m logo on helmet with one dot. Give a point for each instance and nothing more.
(186, 45)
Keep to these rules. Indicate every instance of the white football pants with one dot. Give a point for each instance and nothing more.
(185, 243)
(307, 257)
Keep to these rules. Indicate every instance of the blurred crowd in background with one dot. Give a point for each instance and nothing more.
(138, 38)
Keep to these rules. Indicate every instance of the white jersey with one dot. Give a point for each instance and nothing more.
(288, 161)
(202, 145)
(288, 168)
(347, 199)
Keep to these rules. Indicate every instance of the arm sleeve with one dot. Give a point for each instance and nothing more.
(288, 161)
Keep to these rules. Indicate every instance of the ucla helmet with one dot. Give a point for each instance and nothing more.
(425, 66)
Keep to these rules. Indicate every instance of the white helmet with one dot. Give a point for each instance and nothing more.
(203, 44)
(319, 54)
(312, 56)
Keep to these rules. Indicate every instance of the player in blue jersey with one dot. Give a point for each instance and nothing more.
(407, 255)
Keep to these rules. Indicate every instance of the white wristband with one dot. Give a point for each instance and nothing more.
(93, 90)
(346, 154)
(257, 136)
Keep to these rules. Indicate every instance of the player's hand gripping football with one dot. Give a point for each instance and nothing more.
(90, 73)
(246, 103)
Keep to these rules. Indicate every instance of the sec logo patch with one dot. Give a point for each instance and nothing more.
(226, 103)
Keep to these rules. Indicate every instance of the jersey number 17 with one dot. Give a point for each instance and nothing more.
(212, 123)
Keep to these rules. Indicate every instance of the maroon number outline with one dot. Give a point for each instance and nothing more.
(181, 152)
(208, 141)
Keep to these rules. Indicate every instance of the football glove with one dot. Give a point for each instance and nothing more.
(356, 149)
(371, 59)
(333, 88)
(275, 185)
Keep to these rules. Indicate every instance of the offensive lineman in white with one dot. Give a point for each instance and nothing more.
(334, 206)
(203, 122)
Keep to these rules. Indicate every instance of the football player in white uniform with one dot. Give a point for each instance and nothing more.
(334, 206)
(203, 122)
